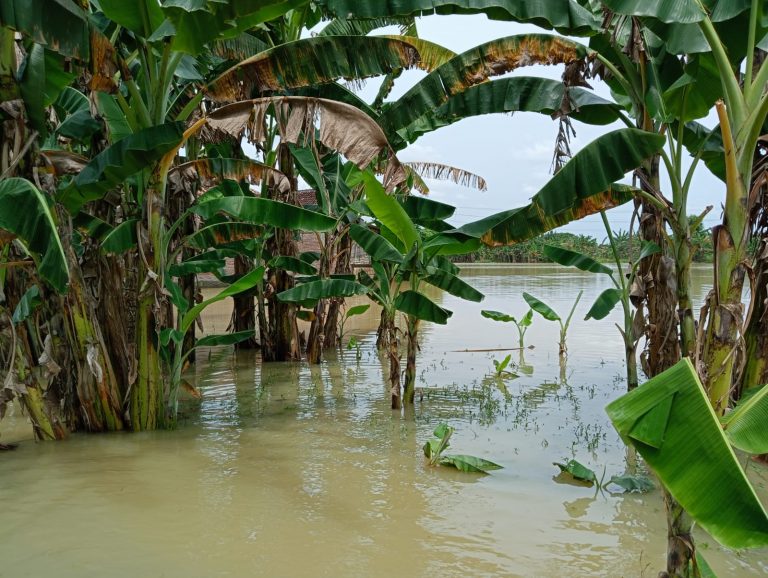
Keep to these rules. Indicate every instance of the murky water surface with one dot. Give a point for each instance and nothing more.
(291, 470)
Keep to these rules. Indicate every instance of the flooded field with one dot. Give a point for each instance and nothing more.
(291, 470)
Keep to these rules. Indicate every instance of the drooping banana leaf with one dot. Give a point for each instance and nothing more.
(513, 94)
(119, 161)
(569, 258)
(421, 209)
(246, 282)
(604, 304)
(59, 25)
(27, 305)
(430, 170)
(121, 238)
(292, 264)
(747, 425)
(582, 187)
(322, 289)
(310, 61)
(260, 211)
(24, 211)
(339, 126)
(231, 169)
(566, 17)
(221, 233)
(454, 285)
(422, 307)
(670, 422)
(224, 339)
(475, 66)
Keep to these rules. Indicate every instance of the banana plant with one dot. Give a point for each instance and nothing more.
(521, 326)
(551, 315)
(623, 283)
(658, 418)
(434, 451)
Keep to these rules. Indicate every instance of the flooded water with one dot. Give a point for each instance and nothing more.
(291, 470)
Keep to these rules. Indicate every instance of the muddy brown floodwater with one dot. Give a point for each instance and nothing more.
(291, 470)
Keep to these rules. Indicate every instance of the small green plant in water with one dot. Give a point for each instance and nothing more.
(522, 325)
(584, 475)
(435, 447)
(550, 315)
(354, 343)
(500, 368)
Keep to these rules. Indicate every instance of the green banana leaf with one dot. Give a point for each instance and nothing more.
(523, 223)
(578, 470)
(26, 306)
(322, 289)
(604, 304)
(422, 307)
(465, 463)
(310, 61)
(568, 17)
(121, 238)
(195, 266)
(223, 233)
(569, 258)
(454, 285)
(497, 316)
(59, 25)
(117, 125)
(595, 167)
(224, 339)
(195, 24)
(541, 308)
(24, 211)
(121, 160)
(389, 212)
(246, 282)
(475, 66)
(292, 264)
(513, 94)
(670, 422)
(374, 244)
(582, 187)
(259, 211)
(421, 209)
(357, 310)
(747, 425)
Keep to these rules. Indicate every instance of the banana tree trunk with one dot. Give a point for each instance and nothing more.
(383, 333)
(410, 364)
(342, 260)
(388, 320)
(147, 406)
(680, 545)
(243, 311)
(99, 395)
(724, 321)
(316, 337)
(659, 280)
(756, 333)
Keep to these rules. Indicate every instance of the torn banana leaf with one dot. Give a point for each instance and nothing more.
(672, 425)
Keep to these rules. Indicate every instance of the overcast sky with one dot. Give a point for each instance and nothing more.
(512, 152)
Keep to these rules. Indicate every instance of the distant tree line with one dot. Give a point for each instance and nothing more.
(531, 251)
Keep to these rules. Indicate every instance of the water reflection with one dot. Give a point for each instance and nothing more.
(291, 470)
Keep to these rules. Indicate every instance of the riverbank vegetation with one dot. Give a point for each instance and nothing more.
(146, 143)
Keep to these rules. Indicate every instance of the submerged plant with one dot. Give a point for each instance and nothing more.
(435, 447)
(521, 326)
(549, 314)
(628, 482)
(500, 368)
